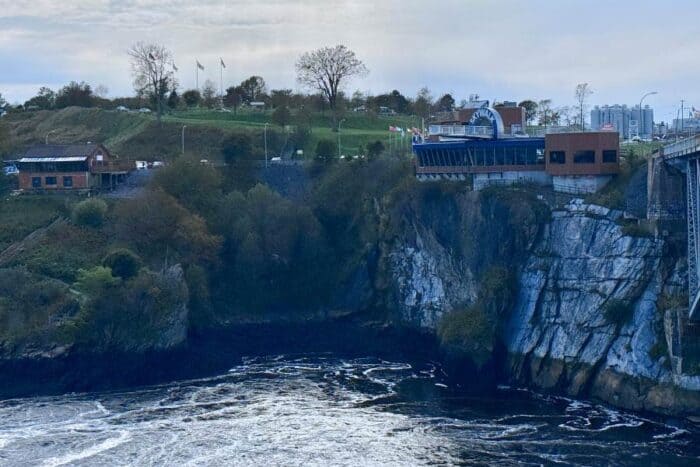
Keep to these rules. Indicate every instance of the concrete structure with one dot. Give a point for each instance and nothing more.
(71, 167)
(628, 121)
(512, 116)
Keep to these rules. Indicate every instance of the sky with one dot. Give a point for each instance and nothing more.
(498, 49)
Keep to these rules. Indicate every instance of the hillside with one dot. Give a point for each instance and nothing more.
(139, 136)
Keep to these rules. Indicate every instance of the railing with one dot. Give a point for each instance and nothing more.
(461, 130)
(113, 166)
(682, 147)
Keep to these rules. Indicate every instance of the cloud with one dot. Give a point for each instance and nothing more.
(506, 49)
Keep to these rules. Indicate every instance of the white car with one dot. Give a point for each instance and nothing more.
(144, 110)
(122, 108)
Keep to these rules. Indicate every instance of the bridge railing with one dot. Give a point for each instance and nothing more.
(682, 147)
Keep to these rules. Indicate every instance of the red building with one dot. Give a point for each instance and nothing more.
(71, 167)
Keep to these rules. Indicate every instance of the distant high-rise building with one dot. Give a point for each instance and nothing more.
(629, 122)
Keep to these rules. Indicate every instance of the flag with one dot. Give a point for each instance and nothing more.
(199, 65)
(174, 67)
(223, 65)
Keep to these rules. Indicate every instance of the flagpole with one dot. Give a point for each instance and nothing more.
(196, 75)
(221, 82)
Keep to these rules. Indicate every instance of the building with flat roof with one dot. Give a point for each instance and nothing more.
(573, 162)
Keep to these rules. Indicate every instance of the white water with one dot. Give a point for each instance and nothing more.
(318, 410)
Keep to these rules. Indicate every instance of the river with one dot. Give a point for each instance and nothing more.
(316, 409)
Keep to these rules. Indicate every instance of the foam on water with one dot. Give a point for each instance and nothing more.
(318, 410)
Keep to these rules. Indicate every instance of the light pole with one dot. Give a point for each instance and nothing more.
(46, 140)
(265, 131)
(340, 123)
(183, 139)
(641, 114)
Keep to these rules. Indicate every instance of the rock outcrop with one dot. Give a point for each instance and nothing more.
(591, 316)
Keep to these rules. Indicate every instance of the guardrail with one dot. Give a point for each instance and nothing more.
(461, 130)
(681, 148)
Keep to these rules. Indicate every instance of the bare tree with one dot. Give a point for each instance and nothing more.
(151, 66)
(582, 93)
(326, 70)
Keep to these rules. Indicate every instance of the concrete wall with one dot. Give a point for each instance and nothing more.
(511, 177)
(576, 184)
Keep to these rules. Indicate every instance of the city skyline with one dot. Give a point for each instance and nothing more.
(506, 50)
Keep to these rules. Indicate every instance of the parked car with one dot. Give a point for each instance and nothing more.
(11, 169)
(122, 108)
(144, 110)
(141, 165)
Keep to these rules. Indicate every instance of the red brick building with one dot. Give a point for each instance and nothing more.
(78, 167)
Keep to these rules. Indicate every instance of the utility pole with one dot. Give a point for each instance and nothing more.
(340, 123)
(183, 138)
(265, 132)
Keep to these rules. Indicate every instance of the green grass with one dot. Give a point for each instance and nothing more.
(24, 214)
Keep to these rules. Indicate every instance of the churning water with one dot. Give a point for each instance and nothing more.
(321, 410)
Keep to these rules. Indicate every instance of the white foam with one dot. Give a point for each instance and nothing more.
(92, 451)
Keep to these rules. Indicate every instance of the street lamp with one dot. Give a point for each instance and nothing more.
(340, 123)
(265, 131)
(183, 138)
(641, 114)
(46, 140)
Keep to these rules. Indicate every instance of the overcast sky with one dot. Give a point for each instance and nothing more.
(500, 49)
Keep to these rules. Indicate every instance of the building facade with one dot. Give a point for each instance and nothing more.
(629, 122)
(573, 162)
(72, 167)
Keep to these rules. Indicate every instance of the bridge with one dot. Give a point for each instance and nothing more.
(683, 156)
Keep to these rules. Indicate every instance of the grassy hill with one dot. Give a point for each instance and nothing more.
(139, 136)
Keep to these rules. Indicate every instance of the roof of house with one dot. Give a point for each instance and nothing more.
(54, 159)
(46, 151)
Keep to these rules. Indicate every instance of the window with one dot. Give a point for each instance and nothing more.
(584, 157)
(68, 182)
(36, 182)
(50, 181)
(557, 157)
(609, 155)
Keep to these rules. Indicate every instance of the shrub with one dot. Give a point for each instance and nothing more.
(282, 116)
(375, 149)
(92, 282)
(123, 262)
(469, 332)
(326, 150)
(632, 229)
(237, 148)
(618, 312)
(90, 213)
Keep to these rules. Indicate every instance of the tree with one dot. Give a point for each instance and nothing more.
(191, 97)
(582, 93)
(237, 148)
(123, 263)
(375, 149)
(195, 186)
(545, 112)
(173, 100)
(281, 97)
(3, 102)
(151, 67)
(209, 94)
(233, 97)
(282, 116)
(530, 110)
(45, 99)
(326, 150)
(423, 103)
(326, 70)
(253, 88)
(90, 213)
(446, 103)
(74, 94)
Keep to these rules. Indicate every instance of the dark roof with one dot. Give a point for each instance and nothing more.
(61, 150)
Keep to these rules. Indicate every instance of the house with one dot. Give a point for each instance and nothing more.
(70, 167)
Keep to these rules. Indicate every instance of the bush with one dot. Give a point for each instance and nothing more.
(326, 150)
(123, 262)
(375, 149)
(237, 148)
(469, 332)
(90, 213)
(618, 312)
(92, 282)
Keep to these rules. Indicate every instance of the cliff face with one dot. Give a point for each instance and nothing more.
(594, 309)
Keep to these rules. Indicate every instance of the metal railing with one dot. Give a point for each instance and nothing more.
(682, 148)
(461, 130)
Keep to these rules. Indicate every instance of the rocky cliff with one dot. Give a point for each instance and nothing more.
(596, 305)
